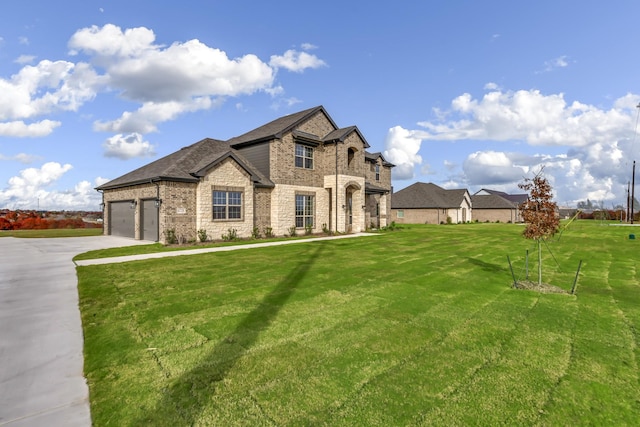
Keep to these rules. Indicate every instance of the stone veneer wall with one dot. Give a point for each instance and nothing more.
(283, 207)
(228, 176)
(358, 200)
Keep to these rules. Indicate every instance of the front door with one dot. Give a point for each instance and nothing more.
(349, 210)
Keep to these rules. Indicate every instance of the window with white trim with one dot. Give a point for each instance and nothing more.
(304, 210)
(227, 205)
(304, 156)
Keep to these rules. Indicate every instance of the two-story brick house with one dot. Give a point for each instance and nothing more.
(299, 170)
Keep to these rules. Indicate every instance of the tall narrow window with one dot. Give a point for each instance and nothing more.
(351, 154)
(304, 156)
(227, 205)
(304, 210)
(377, 172)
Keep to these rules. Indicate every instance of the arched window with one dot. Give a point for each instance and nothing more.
(351, 154)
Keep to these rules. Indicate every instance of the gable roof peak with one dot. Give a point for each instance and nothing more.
(276, 128)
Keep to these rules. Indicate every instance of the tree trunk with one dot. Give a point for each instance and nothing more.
(539, 263)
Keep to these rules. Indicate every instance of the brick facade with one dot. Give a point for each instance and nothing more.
(496, 215)
(337, 181)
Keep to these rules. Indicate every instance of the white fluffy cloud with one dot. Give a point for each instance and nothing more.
(42, 89)
(32, 187)
(128, 146)
(401, 149)
(491, 168)
(21, 129)
(145, 119)
(165, 80)
(182, 77)
(597, 143)
(296, 61)
(530, 116)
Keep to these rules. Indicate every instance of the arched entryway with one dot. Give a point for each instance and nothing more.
(352, 203)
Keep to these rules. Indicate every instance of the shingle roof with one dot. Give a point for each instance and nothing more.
(372, 157)
(374, 189)
(491, 201)
(184, 164)
(426, 196)
(342, 134)
(513, 198)
(176, 166)
(277, 127)
(190, 162)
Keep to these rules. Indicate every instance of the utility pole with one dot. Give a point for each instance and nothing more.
(628, 196)
(633, 188)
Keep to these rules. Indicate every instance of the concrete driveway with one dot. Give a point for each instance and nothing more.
(41, 360)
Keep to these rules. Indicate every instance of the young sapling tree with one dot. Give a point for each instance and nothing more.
(539, 213)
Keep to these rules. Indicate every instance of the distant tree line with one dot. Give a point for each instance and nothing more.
(43, 220)
(607, 214)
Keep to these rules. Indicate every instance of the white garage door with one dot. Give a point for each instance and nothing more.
(122, 219)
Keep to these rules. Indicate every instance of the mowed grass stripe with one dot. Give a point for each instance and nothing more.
(415, 327)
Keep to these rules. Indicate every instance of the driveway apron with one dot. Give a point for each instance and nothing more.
(41, 343)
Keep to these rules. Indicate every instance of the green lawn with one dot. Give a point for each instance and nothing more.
(413, 327)
(53, 232)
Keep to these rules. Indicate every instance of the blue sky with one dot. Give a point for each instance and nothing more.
(464, 94)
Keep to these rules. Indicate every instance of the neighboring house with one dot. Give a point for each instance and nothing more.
(299, 171)
(426, 203)
(494, 206)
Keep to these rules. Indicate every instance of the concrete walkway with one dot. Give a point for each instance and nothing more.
(216, 249)
(41, 361)
(41, 341)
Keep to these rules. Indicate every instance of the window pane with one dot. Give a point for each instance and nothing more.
(304, 157)
(308, 209)
(235, 198)
(227, 205)
(219, 198)
(235, 212)
(219, 212)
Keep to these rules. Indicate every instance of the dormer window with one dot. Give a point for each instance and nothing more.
(377, 172)
(304, 156)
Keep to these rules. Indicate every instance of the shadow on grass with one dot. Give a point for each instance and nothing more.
(189, 394)
(493, 268)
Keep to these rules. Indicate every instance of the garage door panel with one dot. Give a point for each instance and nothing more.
(149, 221)
(122, 219)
